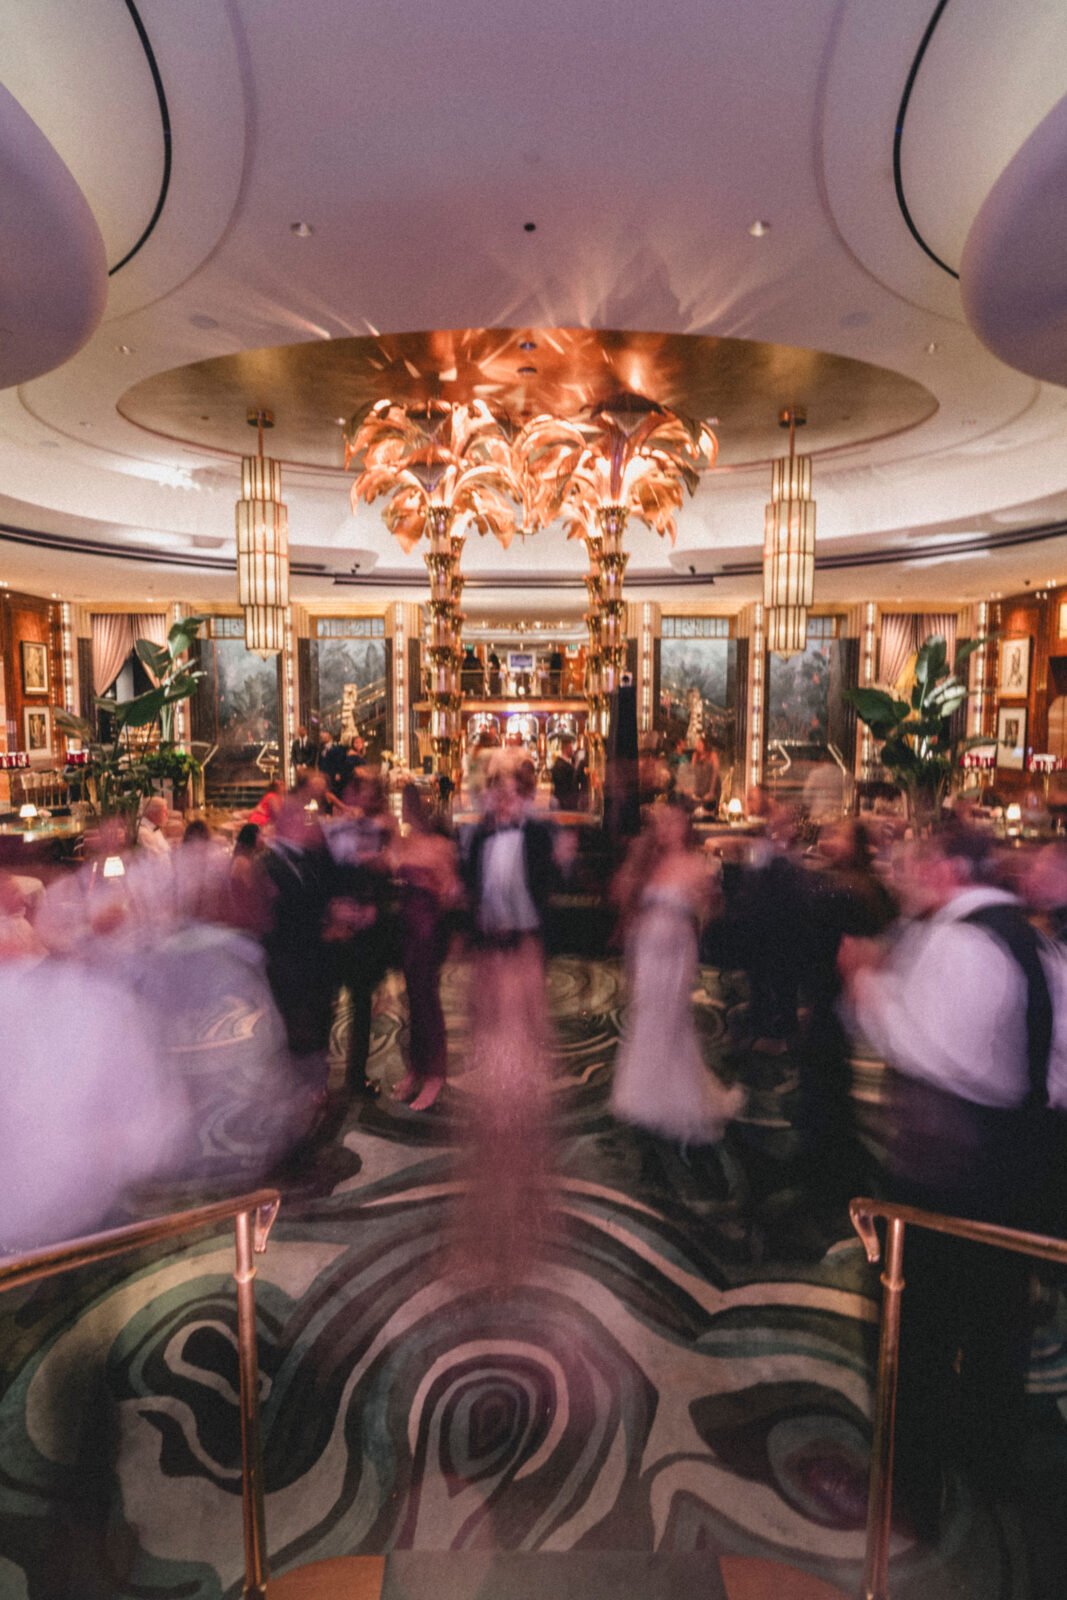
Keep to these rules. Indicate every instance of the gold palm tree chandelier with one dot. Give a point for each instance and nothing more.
(438, 462)
(262, 547)
(789, 546)
(624, 456)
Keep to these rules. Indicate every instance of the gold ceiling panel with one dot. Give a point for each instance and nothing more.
(745, 385)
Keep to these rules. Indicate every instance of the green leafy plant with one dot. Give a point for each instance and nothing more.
(919, 750)
(117, 774)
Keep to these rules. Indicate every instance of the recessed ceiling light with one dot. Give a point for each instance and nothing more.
(529, 227)
(84, 424)
(124, 349)
(527, 372)
(758, 228)
(340, 421)
(713, 422)
(303, 230)
(527, 344)
(932, 348)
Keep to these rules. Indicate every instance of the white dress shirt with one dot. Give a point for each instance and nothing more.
(152, 839)
(506, 903)
(949, 1007)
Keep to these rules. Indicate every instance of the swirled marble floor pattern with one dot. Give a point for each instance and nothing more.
(667, 1378)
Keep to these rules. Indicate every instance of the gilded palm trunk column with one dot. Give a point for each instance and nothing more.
(446, 623)
(594, 662)
(611, 520)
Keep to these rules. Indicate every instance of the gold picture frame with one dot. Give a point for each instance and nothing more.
(37, 730)
(34, 666)
(1013, 678)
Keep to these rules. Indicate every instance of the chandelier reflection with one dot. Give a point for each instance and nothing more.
(262, 547)
(789, 546)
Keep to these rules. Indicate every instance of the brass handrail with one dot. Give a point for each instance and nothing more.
(253, 1216)
(863, 1213)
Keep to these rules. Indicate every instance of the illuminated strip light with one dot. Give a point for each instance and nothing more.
(399, 694)
(66, 653)
(290, 698)
(978, 702)
(181, 731)
(870, 618)
(646, 666)
(755, 762)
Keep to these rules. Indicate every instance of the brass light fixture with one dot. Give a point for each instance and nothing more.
(436, 463)
(789, 546)
(262, 547)
(626, 456)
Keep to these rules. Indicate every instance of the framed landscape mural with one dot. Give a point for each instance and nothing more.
(698, 688)
(348, 675)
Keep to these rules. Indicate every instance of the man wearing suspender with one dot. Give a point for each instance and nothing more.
(960, 1007)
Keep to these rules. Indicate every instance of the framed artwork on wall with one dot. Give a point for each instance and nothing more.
(1011, 737)
(37, 728)
(34, 667)
(1014, 680)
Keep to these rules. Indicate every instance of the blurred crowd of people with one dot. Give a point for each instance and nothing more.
(946, 955)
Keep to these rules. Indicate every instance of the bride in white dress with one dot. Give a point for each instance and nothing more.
(661, 1083)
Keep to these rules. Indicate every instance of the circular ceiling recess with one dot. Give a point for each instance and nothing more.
(524, 371)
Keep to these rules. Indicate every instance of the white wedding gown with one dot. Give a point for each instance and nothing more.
(661, 1082)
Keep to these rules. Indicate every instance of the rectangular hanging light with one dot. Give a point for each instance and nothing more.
(262, 551)
(789, 555)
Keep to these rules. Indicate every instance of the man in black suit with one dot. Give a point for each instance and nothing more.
(303, 752)
(565, 778)
(510, 866)
(332, 762)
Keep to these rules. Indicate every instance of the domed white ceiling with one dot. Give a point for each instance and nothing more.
(418, 144)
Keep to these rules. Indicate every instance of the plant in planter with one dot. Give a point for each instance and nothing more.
(117, 775)
(919, 750)
(170, 765)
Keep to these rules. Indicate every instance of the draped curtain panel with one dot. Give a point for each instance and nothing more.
(151, 625)
(942, 622)
(898, 643)
(112, 643)
(903, 632)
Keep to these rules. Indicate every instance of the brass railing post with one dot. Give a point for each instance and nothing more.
(255, 1585)
(880, 1493)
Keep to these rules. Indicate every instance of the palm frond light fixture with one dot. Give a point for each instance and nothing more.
(439, 465)
(789, 546)
(262, 547)
(625, 456)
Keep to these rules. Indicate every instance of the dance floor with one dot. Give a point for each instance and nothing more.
(673, 1390)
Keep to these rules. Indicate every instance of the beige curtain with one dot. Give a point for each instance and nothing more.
(112, 643)
(942, 622)
(151, 625)
(897, 644)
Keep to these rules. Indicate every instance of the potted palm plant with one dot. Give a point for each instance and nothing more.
(921, 749)
(118, 774)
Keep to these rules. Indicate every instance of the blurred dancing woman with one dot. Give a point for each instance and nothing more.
(425, 864)
(662, 1085)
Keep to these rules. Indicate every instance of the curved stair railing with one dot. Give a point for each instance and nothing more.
(897, 1217)
(253, 1216)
